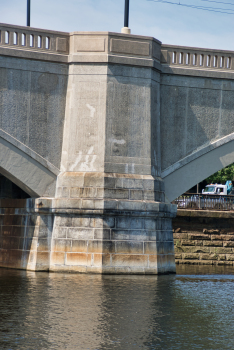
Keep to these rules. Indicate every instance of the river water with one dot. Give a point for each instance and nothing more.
(190, 310)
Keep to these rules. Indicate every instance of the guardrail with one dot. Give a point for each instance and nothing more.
(205, 202)
(27, 38)
(197, 58)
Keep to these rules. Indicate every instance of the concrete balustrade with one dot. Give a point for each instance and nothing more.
(197, 58)
(32, 39)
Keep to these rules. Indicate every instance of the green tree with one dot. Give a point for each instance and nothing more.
(222, 175)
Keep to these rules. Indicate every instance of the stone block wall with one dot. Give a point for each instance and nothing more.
(204, 237)
(124, 243)
(34, 235)
(25, 236)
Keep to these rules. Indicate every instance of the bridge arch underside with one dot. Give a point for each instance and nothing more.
(25, 171)
(196, 167)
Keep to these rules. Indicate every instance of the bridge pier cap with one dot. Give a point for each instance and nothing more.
(127, 120)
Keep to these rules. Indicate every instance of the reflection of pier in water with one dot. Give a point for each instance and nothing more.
(119, 312)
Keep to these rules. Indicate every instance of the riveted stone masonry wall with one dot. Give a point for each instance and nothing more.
(202, 237)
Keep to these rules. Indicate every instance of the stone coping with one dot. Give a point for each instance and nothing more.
(79, 47)
(62, 205)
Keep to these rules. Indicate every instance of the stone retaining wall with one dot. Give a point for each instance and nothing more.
(202, 237)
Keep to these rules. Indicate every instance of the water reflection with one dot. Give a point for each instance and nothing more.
(189, 310)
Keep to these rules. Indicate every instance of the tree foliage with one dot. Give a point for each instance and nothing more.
(222, 175)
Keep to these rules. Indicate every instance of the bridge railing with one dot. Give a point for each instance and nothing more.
(33, 39)
(204, 202)
(197, 58)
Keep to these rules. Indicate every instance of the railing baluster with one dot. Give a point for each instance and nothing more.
(43, 42)
(27, 40)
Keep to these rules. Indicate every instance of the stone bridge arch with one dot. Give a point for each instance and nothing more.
(189, 171)
(26, 168)
(196, 115)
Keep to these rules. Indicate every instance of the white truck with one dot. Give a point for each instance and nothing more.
(218, 189)
(217, 200)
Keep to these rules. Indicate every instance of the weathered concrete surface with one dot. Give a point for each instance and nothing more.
(203, 237)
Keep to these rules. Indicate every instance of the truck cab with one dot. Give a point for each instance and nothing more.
(215, 189)
(218, 189)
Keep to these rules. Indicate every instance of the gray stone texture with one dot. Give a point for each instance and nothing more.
(138, 116)
(32, 100)
(32, 106)
(196, 115)
(25, 236)
(116, 244)
(110, 180)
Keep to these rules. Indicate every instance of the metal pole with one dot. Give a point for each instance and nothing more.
(126, 13)
(28, 13)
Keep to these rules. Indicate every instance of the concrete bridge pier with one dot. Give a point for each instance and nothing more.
(110, 211)
(95, 125)
(80, 134)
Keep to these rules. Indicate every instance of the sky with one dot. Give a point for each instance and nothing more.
(169, 23)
